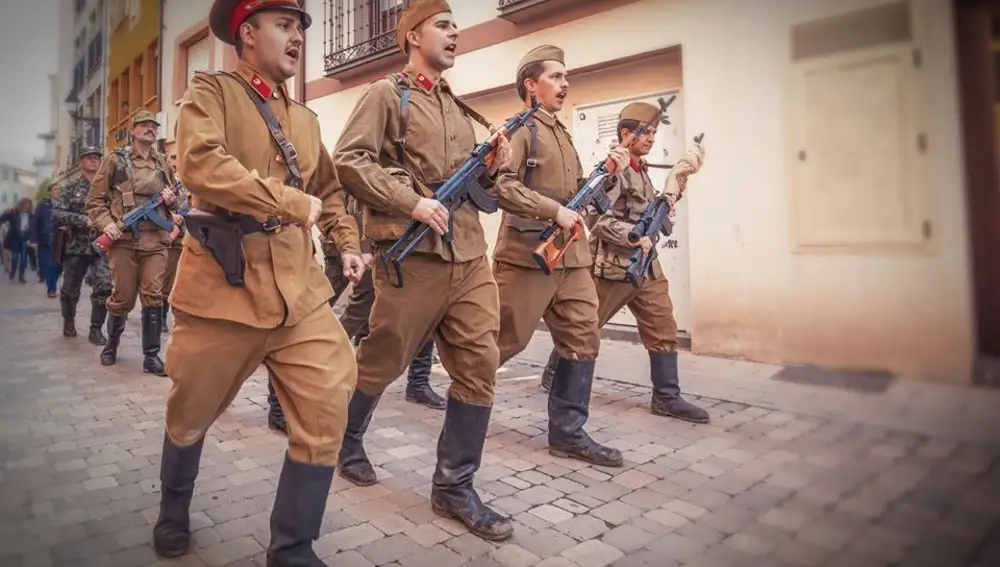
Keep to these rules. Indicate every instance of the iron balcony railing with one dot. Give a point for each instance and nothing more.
(356, 32)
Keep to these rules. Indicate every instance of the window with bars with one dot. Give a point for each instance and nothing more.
(357, 32)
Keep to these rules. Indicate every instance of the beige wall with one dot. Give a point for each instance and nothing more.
(755, 292)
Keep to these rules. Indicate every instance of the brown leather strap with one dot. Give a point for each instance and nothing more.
(284, 144)
(472, 113)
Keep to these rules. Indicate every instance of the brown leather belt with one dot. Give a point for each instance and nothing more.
(250, 225)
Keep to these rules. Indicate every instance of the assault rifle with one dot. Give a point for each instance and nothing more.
(548, 254)
(146, 211)
(654, 221)
(461, 186)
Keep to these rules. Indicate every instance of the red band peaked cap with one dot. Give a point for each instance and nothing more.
(226, 16)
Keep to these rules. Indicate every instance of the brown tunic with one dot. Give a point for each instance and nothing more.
(630, 192)
(554, 180)
(226, 159)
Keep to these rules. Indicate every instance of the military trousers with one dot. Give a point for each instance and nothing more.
(453, 303)
(75, 270)
(173, 256)
(311, 366)
(650, 305)
(137, 268)
(566, 300)
(359, 307)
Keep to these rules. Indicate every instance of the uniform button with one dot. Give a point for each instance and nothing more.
(277, 159)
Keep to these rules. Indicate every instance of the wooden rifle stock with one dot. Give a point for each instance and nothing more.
(548, 254)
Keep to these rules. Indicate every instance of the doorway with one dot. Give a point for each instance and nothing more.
(977, 32)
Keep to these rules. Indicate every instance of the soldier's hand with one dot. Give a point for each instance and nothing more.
(168, 196)
(502, 155)
(432, 213)
(618, 159)
(566, 218)
(645, 243)
(354, 267)
(113, 231)
(315, 207)
(367, 258)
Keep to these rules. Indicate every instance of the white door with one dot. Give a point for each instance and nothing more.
(593, 133)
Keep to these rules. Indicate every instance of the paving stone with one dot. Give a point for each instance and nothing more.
(627, 538)
(511, 555)
(582, 528)
(593, 553)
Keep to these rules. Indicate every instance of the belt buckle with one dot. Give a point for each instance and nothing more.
(271, 225)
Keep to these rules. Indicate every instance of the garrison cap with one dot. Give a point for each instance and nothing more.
(90, 151)
(415, 15)
(144, 116)
(641, 112)
(226, 16)
(542, 53)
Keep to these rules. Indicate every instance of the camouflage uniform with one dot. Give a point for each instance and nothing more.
(79, 257)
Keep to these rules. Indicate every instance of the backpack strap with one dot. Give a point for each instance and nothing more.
(404, 114)
(531, 162)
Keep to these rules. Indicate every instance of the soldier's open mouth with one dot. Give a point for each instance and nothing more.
(450, 48)
(293, 52)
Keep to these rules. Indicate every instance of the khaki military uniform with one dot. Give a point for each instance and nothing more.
(449, 290)
(631, 192)
(392, 152)
(138, 259)
(173, 257)
(280, 316)
(566, 300)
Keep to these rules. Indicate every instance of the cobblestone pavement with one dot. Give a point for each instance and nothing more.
(761, 486)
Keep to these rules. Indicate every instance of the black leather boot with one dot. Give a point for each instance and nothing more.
(297, 514)
(550, 371)
(178, 471)
(68, 308)
(98, 313)
(353, 463)
(275, 416)
(459, 453)
(151, 321)
(569, 408)
(418, 380)
(667, 400)
(116, 326)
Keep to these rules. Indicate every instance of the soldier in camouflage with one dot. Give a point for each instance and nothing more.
(78, 255)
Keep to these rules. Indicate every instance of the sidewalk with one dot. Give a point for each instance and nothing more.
(782, 477)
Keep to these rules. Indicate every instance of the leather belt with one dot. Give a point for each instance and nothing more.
(249, 225)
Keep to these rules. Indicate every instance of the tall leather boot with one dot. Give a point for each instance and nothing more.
(68, 308)
(151, 321)
(275, 416)
(667, 400)
(569, 408)
(459, 453)
(550, 371)
(418, 380)
(353, 463)
(98, 313)
(178, 471)
(297, 514)
(116, 326)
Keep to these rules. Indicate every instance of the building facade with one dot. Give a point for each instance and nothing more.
(828, 225)
(188, 47)
(133, 65)
(81, 81)
(45, 164)
(16, 184)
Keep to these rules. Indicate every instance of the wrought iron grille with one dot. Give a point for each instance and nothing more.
(358, 31)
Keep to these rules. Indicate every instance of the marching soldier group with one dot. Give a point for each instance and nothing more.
(247, 290)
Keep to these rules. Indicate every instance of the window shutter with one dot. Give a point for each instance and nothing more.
(197, 57)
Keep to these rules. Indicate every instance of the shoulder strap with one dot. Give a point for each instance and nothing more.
(124, 162)
(274, 127)
(404, 114)
(531, 162)
(472, 113)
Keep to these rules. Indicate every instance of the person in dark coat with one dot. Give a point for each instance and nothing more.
(18, 238)
(42, 234)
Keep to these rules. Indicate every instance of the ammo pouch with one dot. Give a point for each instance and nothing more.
(223, 237)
